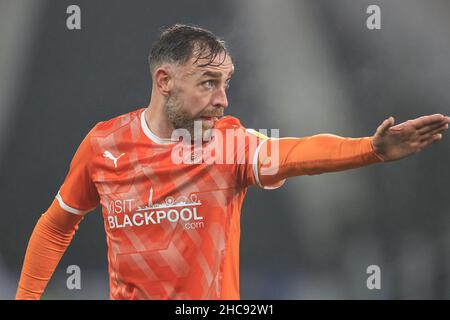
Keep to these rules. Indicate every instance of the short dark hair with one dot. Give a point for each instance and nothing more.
(180, 42)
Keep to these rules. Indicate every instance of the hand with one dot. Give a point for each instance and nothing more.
(395, 142)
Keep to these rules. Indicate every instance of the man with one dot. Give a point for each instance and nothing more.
(173, 226)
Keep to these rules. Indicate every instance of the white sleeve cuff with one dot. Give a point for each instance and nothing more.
(64, 206)
(256, 173)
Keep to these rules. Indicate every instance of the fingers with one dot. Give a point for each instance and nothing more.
(430, 140)
(431, 133)
(428, 120)
(430, 128)
(383, 127)
(437, 137)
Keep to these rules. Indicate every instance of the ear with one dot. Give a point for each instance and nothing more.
(163, 80)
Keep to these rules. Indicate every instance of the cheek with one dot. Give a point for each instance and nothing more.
(198, 101)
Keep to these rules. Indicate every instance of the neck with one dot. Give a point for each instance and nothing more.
(157, 120)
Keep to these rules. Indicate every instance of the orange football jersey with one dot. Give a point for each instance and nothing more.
(172, 228)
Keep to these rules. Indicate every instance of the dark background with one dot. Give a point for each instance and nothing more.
(304, 67)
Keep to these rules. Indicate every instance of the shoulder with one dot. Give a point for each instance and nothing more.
(228, 122)
(108, 127)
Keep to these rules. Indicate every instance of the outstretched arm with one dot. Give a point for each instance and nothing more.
(328, 153)
(49, 240)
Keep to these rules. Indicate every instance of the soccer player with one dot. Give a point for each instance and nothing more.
(172, 220)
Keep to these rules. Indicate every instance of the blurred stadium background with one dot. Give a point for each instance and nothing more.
(305, 67)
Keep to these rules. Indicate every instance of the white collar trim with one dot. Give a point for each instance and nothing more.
(151, 135)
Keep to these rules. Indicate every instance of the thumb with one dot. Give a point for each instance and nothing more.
(389, 122)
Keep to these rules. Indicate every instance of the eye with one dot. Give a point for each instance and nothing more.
(227, 84)
(208, 84)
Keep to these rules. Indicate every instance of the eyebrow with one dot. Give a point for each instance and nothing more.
(214, 74)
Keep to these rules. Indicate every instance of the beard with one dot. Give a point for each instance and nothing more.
(180, 118)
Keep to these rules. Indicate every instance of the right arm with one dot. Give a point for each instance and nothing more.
(56, 227)
(49, 240)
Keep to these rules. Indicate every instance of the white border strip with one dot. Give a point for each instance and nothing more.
(255, 169)
(70, 209)
(255, 164)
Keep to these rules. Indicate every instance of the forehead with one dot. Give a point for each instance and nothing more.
(222, 63)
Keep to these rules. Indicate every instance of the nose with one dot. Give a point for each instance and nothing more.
(220, 98)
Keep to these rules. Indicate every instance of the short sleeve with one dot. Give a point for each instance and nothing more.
(78, 193)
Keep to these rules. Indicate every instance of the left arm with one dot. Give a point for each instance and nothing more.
(329, 153)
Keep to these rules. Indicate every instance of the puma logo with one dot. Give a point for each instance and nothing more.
(109, 155)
